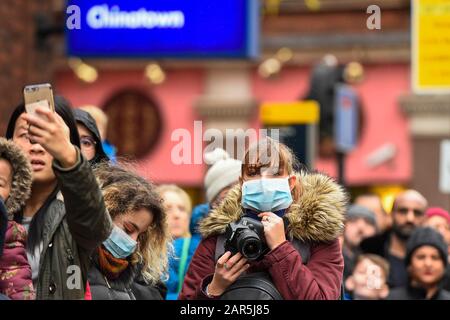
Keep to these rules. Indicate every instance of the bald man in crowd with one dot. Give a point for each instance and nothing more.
(408, 212)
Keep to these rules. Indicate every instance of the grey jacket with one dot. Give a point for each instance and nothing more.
(73, 229)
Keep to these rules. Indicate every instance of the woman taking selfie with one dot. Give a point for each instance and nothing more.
(65, 216)
(292, 207)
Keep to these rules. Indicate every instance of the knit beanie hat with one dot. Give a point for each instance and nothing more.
(224, 172)
(356, 211)
(436, 211)
(425, 236)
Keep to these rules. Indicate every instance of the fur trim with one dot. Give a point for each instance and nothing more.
(317, 216)
(22, 176)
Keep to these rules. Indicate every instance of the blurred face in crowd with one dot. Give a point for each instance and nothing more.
(134, 223)
(441, 225)
(177, 214)
(426, 268)
(5, 178)
(408, 213)
(41, 160)
(357, 230)
(219, 198)
(87, 142)
(368, 281)
(373, 202)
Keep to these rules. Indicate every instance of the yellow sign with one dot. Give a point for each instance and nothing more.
(287, 113)
(387, 195)
(431, 46)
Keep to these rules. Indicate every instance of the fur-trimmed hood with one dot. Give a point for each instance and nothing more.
(22, 176)
(317, 216)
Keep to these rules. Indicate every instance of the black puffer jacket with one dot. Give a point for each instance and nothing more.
(129, 286)
(410, 293)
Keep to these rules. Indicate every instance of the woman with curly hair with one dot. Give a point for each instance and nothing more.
(130, 264)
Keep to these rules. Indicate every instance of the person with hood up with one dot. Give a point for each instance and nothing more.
(65, 216)
(91, 144)
(130, 264)
(271, 191)
(426, 260)
(15, 188)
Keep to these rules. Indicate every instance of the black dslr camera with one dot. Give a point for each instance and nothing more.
(247, 237)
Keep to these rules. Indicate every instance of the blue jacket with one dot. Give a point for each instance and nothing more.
(174, 265)
(198, 213)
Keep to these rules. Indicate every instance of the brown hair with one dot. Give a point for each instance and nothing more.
(271, 155)
(124, 192)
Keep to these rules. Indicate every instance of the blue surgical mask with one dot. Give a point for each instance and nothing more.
(119, 243)
(266, 194)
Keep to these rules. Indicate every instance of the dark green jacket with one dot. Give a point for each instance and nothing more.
(73, 229)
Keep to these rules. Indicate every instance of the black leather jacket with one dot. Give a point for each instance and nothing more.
(73, 228)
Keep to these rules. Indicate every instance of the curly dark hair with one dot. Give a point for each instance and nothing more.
(124, 192)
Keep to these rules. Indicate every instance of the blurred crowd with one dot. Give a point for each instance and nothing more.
(79, 223)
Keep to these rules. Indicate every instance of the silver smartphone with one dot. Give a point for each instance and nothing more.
(38, 95)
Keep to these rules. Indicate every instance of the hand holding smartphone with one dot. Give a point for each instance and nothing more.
(46, 128)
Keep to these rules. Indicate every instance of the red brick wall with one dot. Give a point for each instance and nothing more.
(20, 60)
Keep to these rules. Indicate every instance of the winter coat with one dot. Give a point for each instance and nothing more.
(198, 214)
(410, 293)
(15, 271)
(174, 265)
(3, 225)
(316, 218)
(129, 286)
(73, 227)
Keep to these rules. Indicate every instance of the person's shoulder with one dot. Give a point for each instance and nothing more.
(400, 293)
(444, 295)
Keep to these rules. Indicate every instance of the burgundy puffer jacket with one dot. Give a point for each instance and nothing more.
(316, 217)
(15, 271)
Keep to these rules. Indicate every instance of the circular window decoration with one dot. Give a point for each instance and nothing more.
(134, 123)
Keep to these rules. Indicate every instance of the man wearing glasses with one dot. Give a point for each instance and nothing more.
(408, 212)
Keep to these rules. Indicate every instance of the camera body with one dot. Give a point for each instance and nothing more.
(247, 237)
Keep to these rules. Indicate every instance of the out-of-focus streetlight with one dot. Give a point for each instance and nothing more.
(313, 5)
(154, 73)
(272, 66)
(83, 71)
(353, 73)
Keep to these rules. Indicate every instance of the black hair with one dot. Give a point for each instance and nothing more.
(64, 109)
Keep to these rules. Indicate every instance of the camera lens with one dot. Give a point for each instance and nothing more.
(251, 248)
